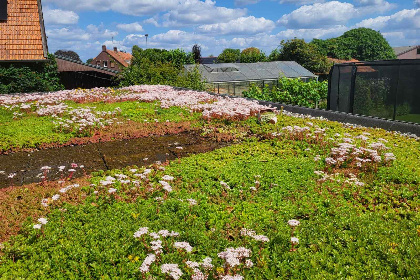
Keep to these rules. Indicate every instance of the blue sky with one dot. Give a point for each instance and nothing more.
(85, 25)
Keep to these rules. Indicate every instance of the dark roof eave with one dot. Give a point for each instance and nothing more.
(25, 61)
(86, 64)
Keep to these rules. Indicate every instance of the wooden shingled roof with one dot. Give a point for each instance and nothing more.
(22, 34)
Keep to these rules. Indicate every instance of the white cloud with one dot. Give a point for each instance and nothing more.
(301, 2)
(91, 33)
(173, 37)
(57, 16)
(402, 20)
(242, 25)
(319, 15)
(152, 21)
(129, 7)
(401, 28)
(98, 32)
(374, 6)
(66, 34)
(119, 44)
(130, 27)
(199, 12)
(134, 39)
(309, 34)
(245, 2)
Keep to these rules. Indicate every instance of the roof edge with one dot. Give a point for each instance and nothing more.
(409, 50)
(43, 34)
(86, 64)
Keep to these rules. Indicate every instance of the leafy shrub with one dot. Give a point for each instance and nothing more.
(69, 54)
(176, 57)
(292, 91)
(251, 55)
(303, 53)
(359, 43)
(155, 66)
(30, 78)
(229, 55)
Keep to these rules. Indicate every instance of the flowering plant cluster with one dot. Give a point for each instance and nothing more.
(84, 121)
(211, 106)
(363, 156)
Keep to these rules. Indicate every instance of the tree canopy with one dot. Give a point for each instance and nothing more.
(176, 57)
(196, 52)
(303, 53)
(229, 56)
(160, 66)
(252, 54)
(69, 54)
(359, 43)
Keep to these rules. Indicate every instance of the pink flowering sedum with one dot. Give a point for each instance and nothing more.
(293, 223)
(172, 269)
(183, 245)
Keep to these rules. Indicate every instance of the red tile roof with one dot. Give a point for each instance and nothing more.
(22, 35)
(122, 57)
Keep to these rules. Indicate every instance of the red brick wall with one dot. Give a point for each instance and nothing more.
(104, 56)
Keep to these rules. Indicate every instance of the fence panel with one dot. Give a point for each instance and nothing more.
(385, 89)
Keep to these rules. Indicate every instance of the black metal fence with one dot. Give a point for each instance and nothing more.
(385, 89)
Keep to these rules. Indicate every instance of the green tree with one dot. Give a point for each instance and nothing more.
(69, 54)
(196, 51)
(303, 53)
(156, 66)
(229, 55)
(19, 78)
(359, 43)
(89, 61)
(177, 57)
(250, 55)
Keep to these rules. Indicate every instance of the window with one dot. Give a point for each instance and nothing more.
(418, 50)
(111, 64)
(3, 9)
(98, 63)
(105, 64)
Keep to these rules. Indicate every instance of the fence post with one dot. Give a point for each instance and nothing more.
(396, 91)
(329, 87)
(352, 87)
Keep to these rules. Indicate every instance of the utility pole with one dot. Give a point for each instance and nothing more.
(146, 35)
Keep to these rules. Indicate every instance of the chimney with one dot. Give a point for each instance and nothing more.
(115, 49)
(103, 48)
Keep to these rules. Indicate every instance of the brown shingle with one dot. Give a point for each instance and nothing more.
(21, 35)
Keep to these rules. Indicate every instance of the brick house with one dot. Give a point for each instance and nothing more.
(22, 32)
(410, 52)
(114, 60)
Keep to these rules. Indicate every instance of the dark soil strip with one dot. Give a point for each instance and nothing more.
(101, 156)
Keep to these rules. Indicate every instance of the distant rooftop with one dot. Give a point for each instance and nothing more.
(400, 50)
(240, 72)
(208, 60)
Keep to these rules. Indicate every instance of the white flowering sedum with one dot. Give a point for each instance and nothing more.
(141, 231)
(293, 223)
(172, 269)
(52, 103)
(183, 245)
(145, 266)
